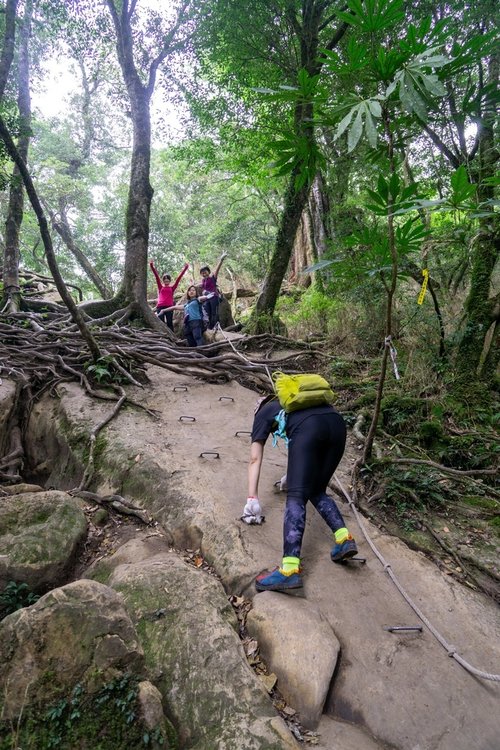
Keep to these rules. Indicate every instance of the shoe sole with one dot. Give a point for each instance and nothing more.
(345, 556)
(278, 587)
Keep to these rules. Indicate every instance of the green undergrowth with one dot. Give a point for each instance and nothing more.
(16, 596)
(104, 720)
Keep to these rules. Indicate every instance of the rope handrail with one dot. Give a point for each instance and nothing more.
(451, 650)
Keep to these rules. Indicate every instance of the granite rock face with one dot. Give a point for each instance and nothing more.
(40, 533)
(73, 635)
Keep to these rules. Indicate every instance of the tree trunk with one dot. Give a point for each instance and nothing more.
(47, 242)
(16, 197)
(9, 39)
(307, 31)
(302, 254)
(133, 289)
(63, 229)
(319, 209)
(295, 200)
(140, 194)
(479, 307)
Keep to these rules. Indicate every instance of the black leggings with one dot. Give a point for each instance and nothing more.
(314, 452)
(167, 316)
(193, 330)
(212, 309)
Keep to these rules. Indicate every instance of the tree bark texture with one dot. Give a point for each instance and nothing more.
(319, 209)
(302, 254)
(290, 219)
(9, 38)
(134, 285)
(480, 308)
(16, 195)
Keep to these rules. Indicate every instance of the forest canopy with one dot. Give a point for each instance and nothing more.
(345, 156)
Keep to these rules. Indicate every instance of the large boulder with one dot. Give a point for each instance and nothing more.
(72, 675)
(71, 635)
(8, 392)
(299, 646)
(39, 537)
(197, 501)
(189, 634)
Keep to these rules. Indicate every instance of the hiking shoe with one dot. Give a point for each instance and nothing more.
(252, 520)
(344, 551)
(277, 580)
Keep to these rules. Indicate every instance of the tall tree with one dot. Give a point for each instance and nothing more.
(275, 43)
(16, 197)
(9, 40)
(142, 45)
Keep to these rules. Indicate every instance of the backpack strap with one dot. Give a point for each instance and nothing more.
(280, 432)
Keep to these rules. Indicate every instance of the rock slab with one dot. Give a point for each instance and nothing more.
(299, 646)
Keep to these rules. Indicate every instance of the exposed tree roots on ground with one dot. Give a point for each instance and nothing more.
(39, 350)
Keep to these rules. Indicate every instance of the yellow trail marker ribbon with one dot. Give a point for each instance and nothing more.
(425, 274)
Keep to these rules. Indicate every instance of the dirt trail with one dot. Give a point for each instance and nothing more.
(401, 688)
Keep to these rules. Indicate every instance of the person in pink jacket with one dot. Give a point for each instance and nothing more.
(166, 294)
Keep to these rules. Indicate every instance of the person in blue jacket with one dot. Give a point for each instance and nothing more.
(193, 316)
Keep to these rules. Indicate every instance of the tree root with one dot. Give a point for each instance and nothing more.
(90, 468)
(458, 559)
(444, 469)
(54, 351)
(117, 502)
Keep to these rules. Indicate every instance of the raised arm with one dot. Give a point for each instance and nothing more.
(219, 264)
(174, 307)
(156, 274)
(179, 277)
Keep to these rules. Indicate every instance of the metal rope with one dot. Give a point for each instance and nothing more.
(451, 651)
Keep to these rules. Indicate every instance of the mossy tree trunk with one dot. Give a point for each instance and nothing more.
(480, 308)
(9, 38)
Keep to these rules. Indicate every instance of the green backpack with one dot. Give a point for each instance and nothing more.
(302, 391)
(298, 392)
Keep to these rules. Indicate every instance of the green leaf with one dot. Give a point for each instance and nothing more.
(377, 198)
(383, 188)
(371, 130)
(355, 132)
(343, 124)
(319, 265)
(374, 107)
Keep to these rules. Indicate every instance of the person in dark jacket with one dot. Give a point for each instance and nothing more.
(209, 288)
(316, 442)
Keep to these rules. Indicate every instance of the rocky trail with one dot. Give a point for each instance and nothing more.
(345, 679)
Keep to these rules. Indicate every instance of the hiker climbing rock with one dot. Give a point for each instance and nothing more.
(316, 439)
